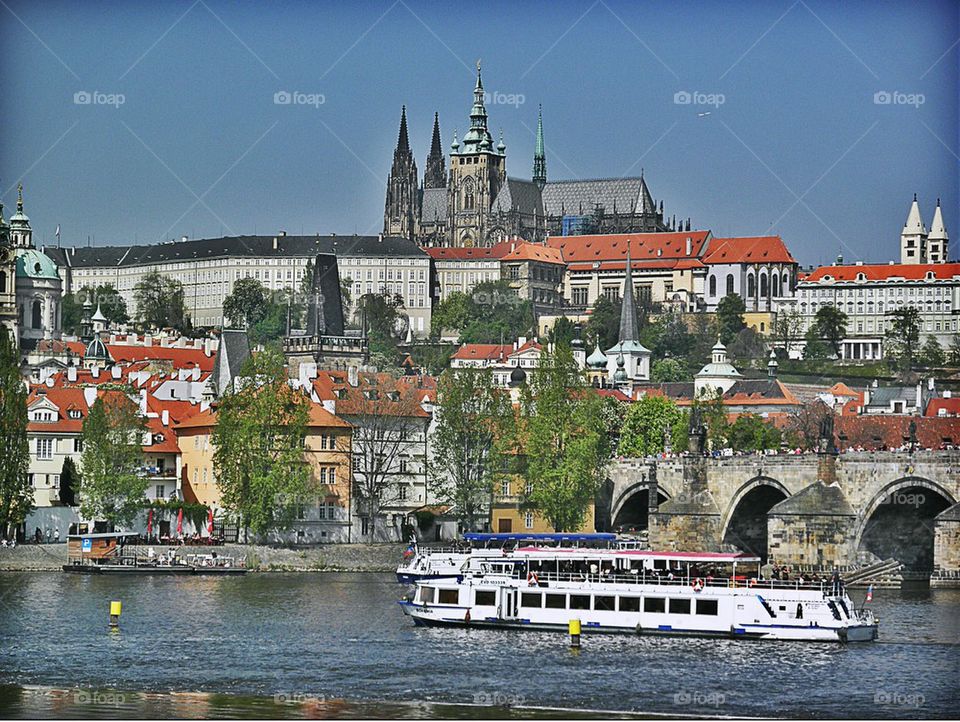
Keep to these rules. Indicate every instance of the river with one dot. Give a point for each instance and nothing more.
(337, 645)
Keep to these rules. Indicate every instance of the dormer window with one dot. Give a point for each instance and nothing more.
(340, 393)
(394, 395)
(74, 414)
(158, 438)
(44, 416)
(371, 394)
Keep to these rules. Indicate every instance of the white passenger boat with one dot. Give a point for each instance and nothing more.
(443, 562)
(640, 592)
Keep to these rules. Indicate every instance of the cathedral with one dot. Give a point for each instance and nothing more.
(477, 204)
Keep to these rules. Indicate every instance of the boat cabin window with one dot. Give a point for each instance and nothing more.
(656, 605)
(605, 604)
(679, 606)
(707, 606)
(629, 604)
(556, 601)
(579, 601)
(427, 594)
(449, 596)
(486, 598)
(531, 599)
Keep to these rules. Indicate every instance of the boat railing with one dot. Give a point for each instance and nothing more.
(535, 578)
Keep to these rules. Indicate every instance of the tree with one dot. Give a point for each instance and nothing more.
(559, 433)
(563, 331)
(730, 321)
(496, 312)
(160, 302)
(747, 345)
(932, 353)
(786, 329)
(955, 350)
(831, 326)
(108, 300)
(384, 317)
(470, 413)
(750, 433)
(714, 416)
(650, 422)
(16, 491)
(805, 422)
(112, 488)
(70, 481)
(903, 337)
(258, 442)
(604, 324)
(247, 304)
(814, 348)
(452, 313)
(668, 369)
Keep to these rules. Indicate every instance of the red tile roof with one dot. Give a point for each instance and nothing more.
(534, 252)
(483, 352)
(751, 249)
(354, 400)
(883, 272)
(64, 399)
(182, 358)
(876, 431)
(950, 407)
(491, 253)
(647, 250)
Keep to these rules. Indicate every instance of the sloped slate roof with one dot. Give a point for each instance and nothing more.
(627, 195)
(522, 195)
(818, 499)
(434, 204)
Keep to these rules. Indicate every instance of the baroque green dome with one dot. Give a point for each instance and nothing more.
(32, 263)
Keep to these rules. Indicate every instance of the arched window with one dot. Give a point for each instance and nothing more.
(468, 200)
(764, 289)
(787, 282)
(3, 281)
(751, 286)
(36, 320)
(713, 285)
(729, 283)
(776, 285)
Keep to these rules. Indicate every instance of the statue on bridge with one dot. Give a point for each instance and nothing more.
(826, 432)
(698, 432)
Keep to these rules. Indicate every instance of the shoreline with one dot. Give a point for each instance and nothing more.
(259, 558)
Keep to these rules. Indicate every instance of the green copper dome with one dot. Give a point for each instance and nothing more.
(32, 263)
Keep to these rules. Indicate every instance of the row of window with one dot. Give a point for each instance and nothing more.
(911, 291)
(583, 602)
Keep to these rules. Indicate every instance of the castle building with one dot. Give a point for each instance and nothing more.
(475, 202)
(919, 246)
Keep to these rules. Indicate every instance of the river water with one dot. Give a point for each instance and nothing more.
(337, 645)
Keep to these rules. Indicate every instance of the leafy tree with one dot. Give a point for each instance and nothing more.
(932, 353)
(715, 418)
(649, 422)
(786, 328)
(112, 488)
(831, 326)
(604, 323)
(750, 433)
(273, 324)
(70, 481)
(730, 321)
(111, 303)
(247, 304)
(346, 292)
(16, 491)
(747, 345)
(955, 350)
(703, 335)
(558, 431)
(470, 413)
(563, 331)
(433, 358)
(258, 446)
(452, 313)
(71, 314)
(903, 337)
(668, 369)
(160, 302)
(386, 322)
(814, 348)
(804, 423)
(613, 413)
(496, 312)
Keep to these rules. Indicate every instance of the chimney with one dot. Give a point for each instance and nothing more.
(131, 339)
(115, 372)
(71, 373)
(113, 338)
(353, 376)
(919, 396)
(866, 397)
(276, 243)
(196, 372)
(206, 346)
(143, 401)
(689, 245)
(90, 395)
(95, 371)
(165, 417)
(147, 340)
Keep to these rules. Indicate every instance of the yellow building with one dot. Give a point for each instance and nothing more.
(510, 513)
(324, 515)
(761, 321)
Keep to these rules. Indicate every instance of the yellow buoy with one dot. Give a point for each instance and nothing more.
(115, 608)
(574, 628)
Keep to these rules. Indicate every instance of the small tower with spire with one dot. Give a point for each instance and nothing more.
(634, 355)
(21, 235)
(401, 207)
(913, 237)
(937, 249)
(539, 157)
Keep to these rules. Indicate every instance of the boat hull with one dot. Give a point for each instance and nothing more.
(121, 570)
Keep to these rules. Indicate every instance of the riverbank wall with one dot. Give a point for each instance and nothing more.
(332, 557)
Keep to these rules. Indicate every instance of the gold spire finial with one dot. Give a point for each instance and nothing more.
(19, 197)
(478, 65)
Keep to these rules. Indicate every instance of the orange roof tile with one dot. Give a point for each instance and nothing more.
(881, 272)
(534, 252)
(750, 249)
(181, 358)
(654, 250)
(482, 351)
(491, 253)
(950, 407)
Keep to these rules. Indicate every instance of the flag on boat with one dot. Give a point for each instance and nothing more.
(870, 593)
(409, 551)
(180, 521)
(149, 523)
(210, 522)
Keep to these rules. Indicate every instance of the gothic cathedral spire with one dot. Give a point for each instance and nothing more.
(435, 172)
(402, 203)
(628, 311)
(539, 157)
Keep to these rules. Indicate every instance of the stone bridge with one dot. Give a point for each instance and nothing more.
(806, 509)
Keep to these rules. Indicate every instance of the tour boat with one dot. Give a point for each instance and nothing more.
(639, 592)
(443, 562)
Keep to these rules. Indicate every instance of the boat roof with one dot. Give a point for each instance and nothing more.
(647, 554)
(556, 536)
(103, 535)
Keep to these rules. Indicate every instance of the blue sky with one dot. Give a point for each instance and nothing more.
(795, 141)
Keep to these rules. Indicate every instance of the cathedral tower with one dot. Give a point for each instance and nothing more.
(913, 237)
(402, 205)
(478, 171)
(435, 172)
(539, 157)
(937, 251)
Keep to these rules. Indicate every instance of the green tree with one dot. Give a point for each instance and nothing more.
(112, 488)
(831, 326)
(649, 423)
(71, 314)
(747, 345)
(247, 304)
(496, 312)
(903, 337)
(108, 299)
(16, 491)
(558, 431)
(451, 314)
(750, 433)
(258, 446)
(160, 302)
(786, 329)
(603, 327)
(814, 348)
(932, 353)
(563, 331)
(668, 369)
(471, 411)
(70, 481)
(386, 322)
(730, 321)
(955, 350)
(714, 416)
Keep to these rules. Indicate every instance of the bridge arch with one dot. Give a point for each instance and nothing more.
(632, 504)
(897, 522)
(744, 523)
